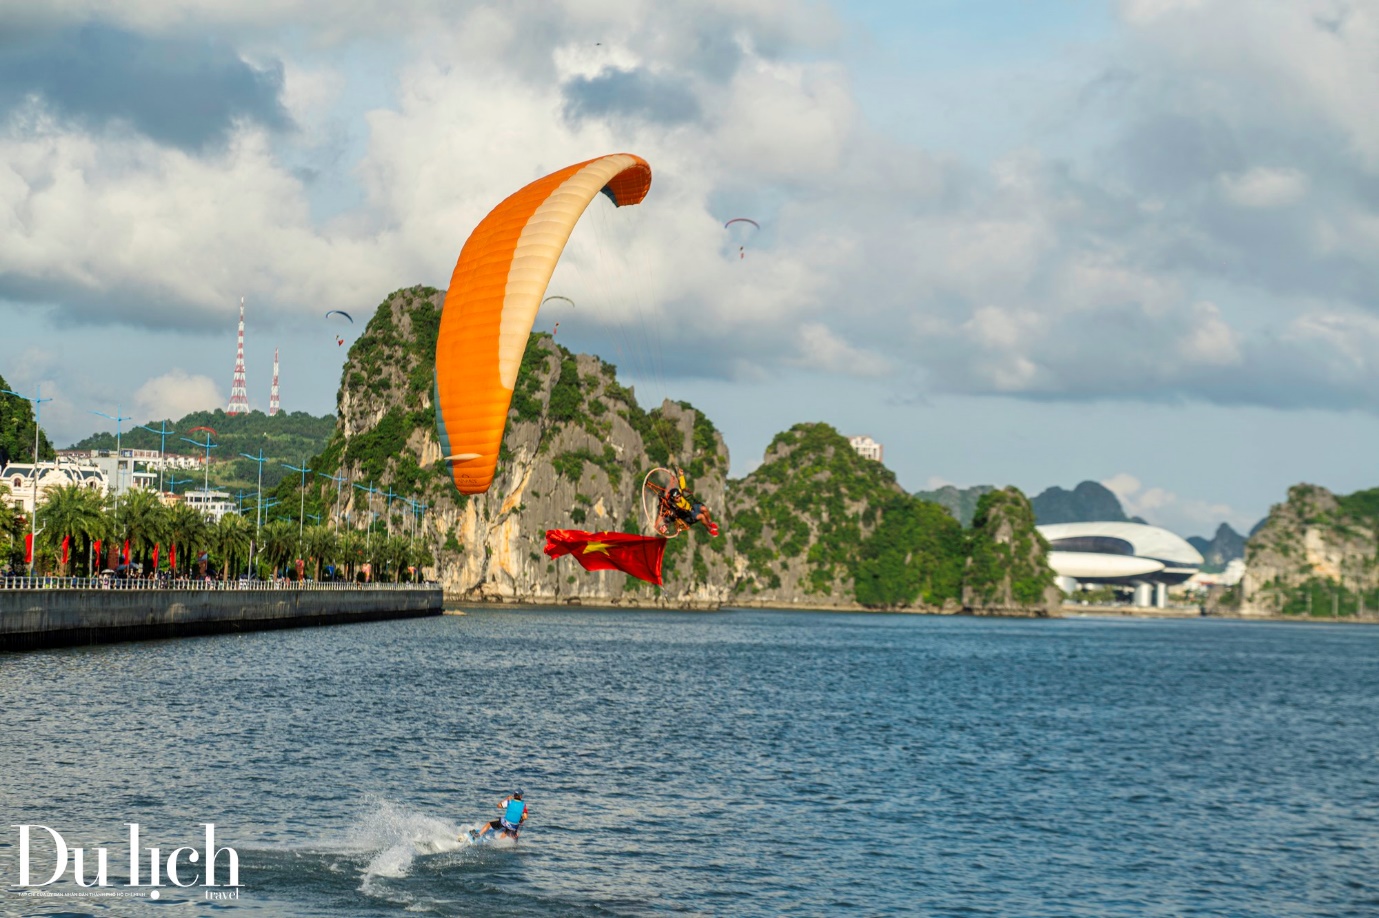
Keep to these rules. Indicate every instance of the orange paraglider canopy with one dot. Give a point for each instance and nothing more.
(494, 295)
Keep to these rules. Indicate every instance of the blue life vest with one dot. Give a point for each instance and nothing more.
(512, 815)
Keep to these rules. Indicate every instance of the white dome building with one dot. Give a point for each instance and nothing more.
(1147, 558)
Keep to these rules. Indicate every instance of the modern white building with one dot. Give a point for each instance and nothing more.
(1147, 558)
(866, 447)
(211, 504)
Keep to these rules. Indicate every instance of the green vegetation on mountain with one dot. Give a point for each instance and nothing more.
(288, 437)
(813, 498)
(17, 430)
(1007, 563)
(915, 556)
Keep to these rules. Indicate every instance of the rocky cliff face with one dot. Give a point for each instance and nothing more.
(1315, 554)
(576, 449)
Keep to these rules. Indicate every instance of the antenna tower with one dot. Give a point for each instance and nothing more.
(273, 407)
(239, 393)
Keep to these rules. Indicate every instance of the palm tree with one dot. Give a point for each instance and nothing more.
(142, 519)
(189, 531)
(12, 525)
(73, 513)
(278, 543)
(319, 544)
(351, 551)
(230, 538)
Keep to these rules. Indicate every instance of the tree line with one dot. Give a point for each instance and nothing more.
(82, 532)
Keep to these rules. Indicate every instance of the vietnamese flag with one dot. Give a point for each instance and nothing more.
(96, 549)
(28, 548)
(126, 551)
(155, 556)
(639, 556)
(66, 545)
(172, 557)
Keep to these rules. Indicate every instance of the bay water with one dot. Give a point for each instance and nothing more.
(731, 763)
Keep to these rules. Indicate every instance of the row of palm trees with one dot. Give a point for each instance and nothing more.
(83, 517)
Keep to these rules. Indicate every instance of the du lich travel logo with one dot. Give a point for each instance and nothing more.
(46, 858)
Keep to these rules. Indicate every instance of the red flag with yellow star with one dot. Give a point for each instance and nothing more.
(638, 556)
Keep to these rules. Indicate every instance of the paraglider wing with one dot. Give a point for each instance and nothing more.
(741, 220)
(565, 299)
(494, 295)
(340, 312)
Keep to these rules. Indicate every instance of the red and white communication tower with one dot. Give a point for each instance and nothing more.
(239, 393)
(273, 407)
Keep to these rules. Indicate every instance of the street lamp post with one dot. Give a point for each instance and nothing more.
(339, 480)
(118, 419)
(33, 516)
(390, 495)
(174, 481)
(162, 447)
(258, 509)
(208, 446)
(301, 512)
(368, 531)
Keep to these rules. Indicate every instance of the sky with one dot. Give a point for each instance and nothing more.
(1016, 242)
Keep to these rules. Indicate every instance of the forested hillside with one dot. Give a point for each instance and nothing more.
(288, 437)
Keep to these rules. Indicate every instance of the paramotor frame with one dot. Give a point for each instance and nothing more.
(661, 518)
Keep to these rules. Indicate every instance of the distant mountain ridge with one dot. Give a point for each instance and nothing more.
(1221, 549)
(1089, 502)
(960, 502)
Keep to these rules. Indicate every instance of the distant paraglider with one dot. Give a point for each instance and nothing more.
(742, 248)
(563, 299)
(339, 341)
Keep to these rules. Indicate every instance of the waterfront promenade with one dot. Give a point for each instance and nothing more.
(38, 612)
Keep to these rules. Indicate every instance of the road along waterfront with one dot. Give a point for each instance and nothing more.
(57, 612)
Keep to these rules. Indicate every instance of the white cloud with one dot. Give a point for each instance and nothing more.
(1162, 507)
(175, 394)
(1263, 187)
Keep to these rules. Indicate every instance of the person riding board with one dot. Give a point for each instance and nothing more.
(510, 823)
(680, 503)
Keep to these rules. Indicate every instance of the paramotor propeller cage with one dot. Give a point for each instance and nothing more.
(661, 519)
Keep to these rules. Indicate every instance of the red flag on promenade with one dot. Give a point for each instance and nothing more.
(155, 556)
(96, 550)
(28, 548)
(639, 556)
(66, 546)
(172, 557)
(126, 552)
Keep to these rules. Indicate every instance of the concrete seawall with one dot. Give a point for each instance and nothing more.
(32, 619)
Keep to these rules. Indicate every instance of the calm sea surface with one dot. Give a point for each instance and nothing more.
(738, 763)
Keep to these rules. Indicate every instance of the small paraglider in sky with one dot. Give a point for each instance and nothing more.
(340, 312)
(339, 342)
(739, 233)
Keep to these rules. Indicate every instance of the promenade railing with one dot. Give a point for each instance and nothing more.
(117, 583)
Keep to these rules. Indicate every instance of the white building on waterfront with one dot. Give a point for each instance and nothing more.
(1145, 558)
(866, 447)
(30, 484)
